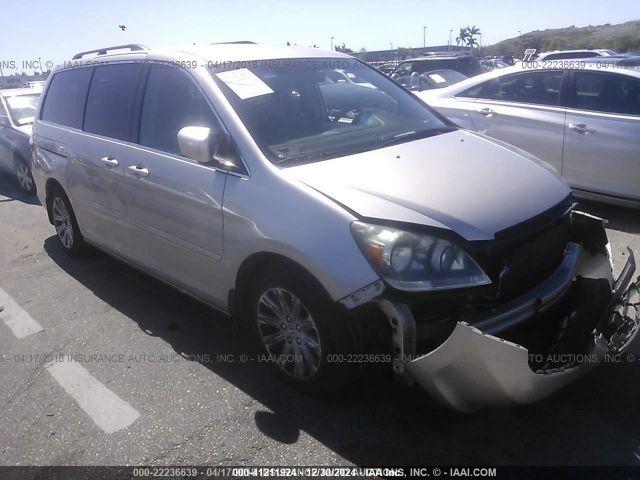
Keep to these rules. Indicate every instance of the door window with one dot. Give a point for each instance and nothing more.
(541, 88)
(65, 98)
(605, 92)
(172, 101)
(112, 99)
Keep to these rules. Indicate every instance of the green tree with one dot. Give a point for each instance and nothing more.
(462, 36)
(472, 33)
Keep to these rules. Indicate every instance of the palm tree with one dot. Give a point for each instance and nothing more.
(472, 32)
(462, 36)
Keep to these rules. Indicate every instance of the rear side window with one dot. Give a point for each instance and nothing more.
(111, 100)
(541, 88)
(605, 92)
(65, 97)
(172, 101)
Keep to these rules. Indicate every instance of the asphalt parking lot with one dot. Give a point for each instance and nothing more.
(172, 398)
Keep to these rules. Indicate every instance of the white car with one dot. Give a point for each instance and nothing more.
(573, 54)
(584, 122)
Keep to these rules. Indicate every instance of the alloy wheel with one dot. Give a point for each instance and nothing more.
(289, 333)
(24, 177)
(62, 222)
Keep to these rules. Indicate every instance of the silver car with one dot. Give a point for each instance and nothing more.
(573, 54)
(584, 121)
(340, 225)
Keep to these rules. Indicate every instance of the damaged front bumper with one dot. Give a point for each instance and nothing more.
(478, 365)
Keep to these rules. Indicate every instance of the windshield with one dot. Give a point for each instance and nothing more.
(22, 108)
(298, 110)
(430, 80)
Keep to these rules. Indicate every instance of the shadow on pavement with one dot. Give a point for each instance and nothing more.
(590, 422)
(10, 189)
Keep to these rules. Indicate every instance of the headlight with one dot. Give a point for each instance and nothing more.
(417, 262)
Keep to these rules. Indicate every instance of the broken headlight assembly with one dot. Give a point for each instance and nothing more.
(417, 262)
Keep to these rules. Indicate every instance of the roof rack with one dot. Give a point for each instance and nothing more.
(133, 47)
(237, 42)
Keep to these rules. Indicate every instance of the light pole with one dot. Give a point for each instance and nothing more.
(450, 33)
(332, 42)
(519, 33)
(391, 45)
(424, 36)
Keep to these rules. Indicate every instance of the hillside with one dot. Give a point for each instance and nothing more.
(623, 37)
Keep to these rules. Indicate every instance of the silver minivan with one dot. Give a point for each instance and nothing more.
(341, 224)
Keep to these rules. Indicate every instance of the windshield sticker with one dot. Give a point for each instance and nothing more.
(244, 83)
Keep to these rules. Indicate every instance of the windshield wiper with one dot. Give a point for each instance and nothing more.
(415, 135)
(313, 156)
(399, 138)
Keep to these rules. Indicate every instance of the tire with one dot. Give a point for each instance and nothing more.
(24, 176)
(66, 225)
(291, 317)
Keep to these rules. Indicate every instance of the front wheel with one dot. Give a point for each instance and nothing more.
(300, 330)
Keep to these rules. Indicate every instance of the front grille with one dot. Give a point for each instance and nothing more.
(526, 254)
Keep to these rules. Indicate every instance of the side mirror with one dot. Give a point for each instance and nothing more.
(195, 143)
(207, 145)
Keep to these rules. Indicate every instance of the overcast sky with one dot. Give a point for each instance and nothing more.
(54, 31)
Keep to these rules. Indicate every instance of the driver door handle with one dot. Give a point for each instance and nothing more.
(109, 161)
(487, 112)
(580, 128)
(139, 170)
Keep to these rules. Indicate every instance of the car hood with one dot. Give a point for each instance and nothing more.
(459, 180)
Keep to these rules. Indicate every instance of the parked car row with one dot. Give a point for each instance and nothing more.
(333, 215)
(583, 122)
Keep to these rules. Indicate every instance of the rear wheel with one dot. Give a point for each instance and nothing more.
(64, 221)
(25, 179)
(302, 332)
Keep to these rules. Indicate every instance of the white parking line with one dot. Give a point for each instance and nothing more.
(19, 321)
(106, 409)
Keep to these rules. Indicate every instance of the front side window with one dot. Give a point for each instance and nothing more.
(111, 101)
(296, 116)
(65, 98)
(541, 88)
(172, 101)
(22, 108)
(609, 93)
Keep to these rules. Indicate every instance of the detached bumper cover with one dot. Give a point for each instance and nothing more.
(473, 369)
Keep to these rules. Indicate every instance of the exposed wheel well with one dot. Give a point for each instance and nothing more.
(50, 186)
(260, 262)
